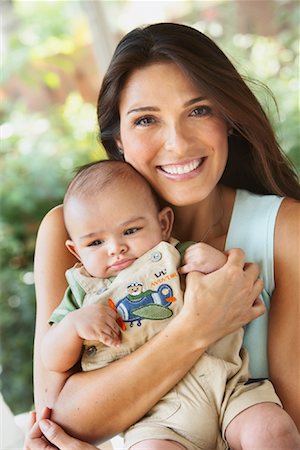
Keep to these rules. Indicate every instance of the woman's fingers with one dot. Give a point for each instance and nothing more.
(33, 427)
(34, 437)
(252, 269)
(258, 307)
(236, 257)
(55, 434)
(45, 414)
(32, 420)
(230, 295)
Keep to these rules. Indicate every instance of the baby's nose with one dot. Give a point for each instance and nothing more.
(117, 247)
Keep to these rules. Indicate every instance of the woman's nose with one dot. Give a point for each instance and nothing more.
(177, 139)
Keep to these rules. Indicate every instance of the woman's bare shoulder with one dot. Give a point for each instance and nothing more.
(54, 215)
(287, 240)
(50, 243)
(51, 260)
(288, 220)
(53, 222)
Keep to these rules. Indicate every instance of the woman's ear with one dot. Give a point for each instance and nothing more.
(166, 220)
(72, 249)
(119, 145)
(118, 142)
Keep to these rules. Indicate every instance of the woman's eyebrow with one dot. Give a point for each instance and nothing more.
(143, 108)
(154, 108)
(195, 100)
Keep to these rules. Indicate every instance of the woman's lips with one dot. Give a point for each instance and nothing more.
(183, 170)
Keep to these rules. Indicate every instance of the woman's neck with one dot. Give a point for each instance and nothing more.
(206, 221)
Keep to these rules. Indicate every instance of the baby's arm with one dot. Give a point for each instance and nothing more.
(62, 344)
(201, 257)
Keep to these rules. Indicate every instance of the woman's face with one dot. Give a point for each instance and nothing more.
(172, 134)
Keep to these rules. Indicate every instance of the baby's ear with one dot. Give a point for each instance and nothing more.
(72, 249)
(166, 219)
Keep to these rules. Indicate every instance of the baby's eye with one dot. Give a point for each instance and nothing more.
(96, 242)
(202, 111)
(131, 231)
(145, 121)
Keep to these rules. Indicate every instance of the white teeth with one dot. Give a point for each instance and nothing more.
(185, 168)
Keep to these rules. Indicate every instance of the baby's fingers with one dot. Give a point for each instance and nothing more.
(113, 325)
(109, 328)
(111, 340)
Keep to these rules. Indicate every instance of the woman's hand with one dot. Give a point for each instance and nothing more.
(47, 435)
(224, 300)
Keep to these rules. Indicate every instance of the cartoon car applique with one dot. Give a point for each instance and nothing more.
(139, 305)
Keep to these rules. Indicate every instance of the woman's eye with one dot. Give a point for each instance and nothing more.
(95, 243)
(131, 231)
(144, 121)
(202, 111)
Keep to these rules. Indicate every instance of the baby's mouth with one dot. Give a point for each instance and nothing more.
(122, 263)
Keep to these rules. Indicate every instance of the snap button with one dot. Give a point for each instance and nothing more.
(91, 351)
(155, 256)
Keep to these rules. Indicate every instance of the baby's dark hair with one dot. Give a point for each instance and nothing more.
(94, 177)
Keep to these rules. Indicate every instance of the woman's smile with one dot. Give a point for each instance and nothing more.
(181, 171)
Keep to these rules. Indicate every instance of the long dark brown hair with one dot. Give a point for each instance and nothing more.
(256, 161)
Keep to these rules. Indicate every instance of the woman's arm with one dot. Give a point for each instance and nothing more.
(98, 404)
(51, 261)
(284, 325)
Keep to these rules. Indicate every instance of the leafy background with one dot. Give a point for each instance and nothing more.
(50, 80)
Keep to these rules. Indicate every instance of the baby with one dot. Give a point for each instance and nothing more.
(125, 289)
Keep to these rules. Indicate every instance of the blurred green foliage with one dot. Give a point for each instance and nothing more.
(38, 158)
(39, 153)
(40, 150)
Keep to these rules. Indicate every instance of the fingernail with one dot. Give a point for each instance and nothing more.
(45, 425)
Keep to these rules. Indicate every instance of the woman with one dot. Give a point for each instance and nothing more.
(173, 106)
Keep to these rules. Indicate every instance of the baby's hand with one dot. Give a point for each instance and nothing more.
(97, 323)
(202, 258)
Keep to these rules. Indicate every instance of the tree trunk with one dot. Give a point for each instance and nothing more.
(103, 39)
(256, 17)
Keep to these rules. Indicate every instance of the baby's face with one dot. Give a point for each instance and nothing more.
(111, 230)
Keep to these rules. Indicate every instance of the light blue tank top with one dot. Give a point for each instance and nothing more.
(252, 229)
